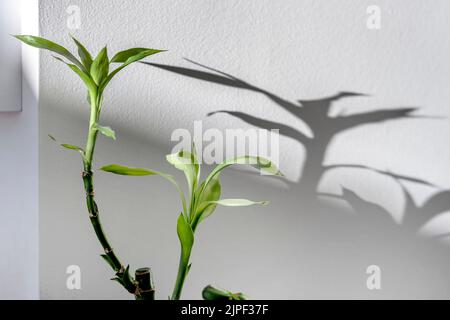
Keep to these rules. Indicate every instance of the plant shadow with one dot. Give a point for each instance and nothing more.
(343, 233)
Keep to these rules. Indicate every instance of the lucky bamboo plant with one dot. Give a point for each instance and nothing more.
(96, 75)
(203, 199)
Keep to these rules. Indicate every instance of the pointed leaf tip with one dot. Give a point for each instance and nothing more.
(42, 43)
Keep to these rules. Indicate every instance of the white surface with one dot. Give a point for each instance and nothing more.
(296, 49)
(10, 66)
(19, 241)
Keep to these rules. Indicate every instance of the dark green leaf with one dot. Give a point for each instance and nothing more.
(126, 278)
(119, 280)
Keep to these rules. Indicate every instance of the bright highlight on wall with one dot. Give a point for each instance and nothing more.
(10, 57)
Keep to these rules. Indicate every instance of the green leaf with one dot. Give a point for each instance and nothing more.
(42, 43)
(186, 237)
(129, 171)
(90, 84)
(84, 54)
(123, 56)
(106, 131)
(262, 164)
(238, 202)
(119, 280)
(188, 163)
(71, 147)
(205, 198)
(125, 279)
(75, 148)
(100, 66)
(130, 60)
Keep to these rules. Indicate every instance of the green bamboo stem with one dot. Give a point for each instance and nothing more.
(145, 283)
(183, 269)
(88, 179)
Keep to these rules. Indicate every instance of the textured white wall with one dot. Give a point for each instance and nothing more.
(19, 188)
(294, 49)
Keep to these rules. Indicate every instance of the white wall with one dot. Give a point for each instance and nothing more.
(19, 241)
(297, 50)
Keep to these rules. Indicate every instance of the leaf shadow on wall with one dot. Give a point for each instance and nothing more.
(416, 266)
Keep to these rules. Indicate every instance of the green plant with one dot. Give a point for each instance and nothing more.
(203, 199)
(96, 75)
(212, 293)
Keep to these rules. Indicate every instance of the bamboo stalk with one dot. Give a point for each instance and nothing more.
(145, 284)
(88, 179)
(183, 270)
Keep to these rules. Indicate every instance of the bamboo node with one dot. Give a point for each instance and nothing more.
(86, 173)
(137, 292)
(109, 250)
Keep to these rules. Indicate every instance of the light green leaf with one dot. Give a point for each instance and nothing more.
(130, 60)
(84, 54)
(90, 84)
(75, 148)
(188, 163)
(123, 56)
(129, 171)
(238, 202)
(205, 197)
(106, 131)
(262, 164)
(186, 236)
(100, 66)
(42, 43)
(71, 147)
